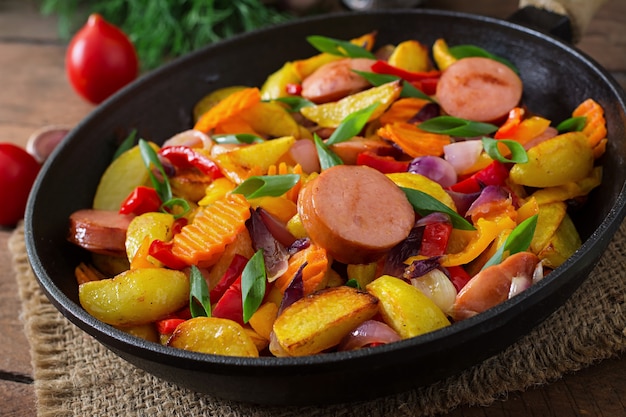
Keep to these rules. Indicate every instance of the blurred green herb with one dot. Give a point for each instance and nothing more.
(165, 29)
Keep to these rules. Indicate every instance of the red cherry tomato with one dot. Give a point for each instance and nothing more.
(100, 60)
(18, 170)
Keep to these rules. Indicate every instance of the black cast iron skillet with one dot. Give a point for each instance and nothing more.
(556, 76)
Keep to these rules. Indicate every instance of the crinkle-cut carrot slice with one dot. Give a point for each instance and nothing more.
(403, 110)
(86, 273)
(314, 274)
(232, 105)
(595, 126)
(414, 141)
(204, 240)
(600, 148)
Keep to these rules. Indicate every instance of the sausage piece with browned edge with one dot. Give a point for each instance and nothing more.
(336, 80)
(479, 89)
(355, 212)
(491, 286)
(99, 231)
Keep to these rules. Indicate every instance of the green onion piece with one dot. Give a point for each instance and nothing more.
(466, 51)
(295, 103)
(353, 283)
(454, 126)
(253, 280)
(169, 205)
(339, 47)
(237, 139)
(424, 204)
(408, 89)
(267, 185)
(150, 158)
(199, 300)
(352, 125)
(518, 241)
(126, 145)
(327, 157)
(518, 153)
(573, 124)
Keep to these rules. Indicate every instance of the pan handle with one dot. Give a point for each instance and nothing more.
(579, 12)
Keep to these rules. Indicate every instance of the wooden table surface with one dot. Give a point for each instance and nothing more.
(34, 93)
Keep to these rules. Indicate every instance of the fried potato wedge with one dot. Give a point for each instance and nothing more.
(557, 161)
(214, 336)
(319, 321)
(405, 308)
(136, 296)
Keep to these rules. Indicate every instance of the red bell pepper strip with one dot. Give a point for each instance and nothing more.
(230, 305)
(141, 200)
(458, 276)
(383, 67)
(385, 164)
(427, 86)
(167, 326)
(435, 239)
(232, 273)
(186, 157)
(508, 128)
(162, 251)
(495, 173)
(293, 89)
(178, 225)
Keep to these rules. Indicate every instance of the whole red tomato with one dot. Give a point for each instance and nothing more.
(100, 60)
(18, 170)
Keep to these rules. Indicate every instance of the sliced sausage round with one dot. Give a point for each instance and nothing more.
(335, 80)
(479, 89)
(355, 212)
(99, 231)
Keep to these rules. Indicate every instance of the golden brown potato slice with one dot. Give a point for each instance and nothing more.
(136, 296)
(405, 308)
(319, 321)
(213, 335)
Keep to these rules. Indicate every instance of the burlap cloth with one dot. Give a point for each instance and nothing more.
(76, 376)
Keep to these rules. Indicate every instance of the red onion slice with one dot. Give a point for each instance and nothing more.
(463, 155)
(368, 333)
(274, 254)
(435, 168)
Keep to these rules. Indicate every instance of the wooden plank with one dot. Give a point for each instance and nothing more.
(17, 400)
(37, 92)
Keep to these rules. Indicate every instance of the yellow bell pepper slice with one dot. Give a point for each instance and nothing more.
(280, 207)
(333, 113)
(275, 86)
(441, 54)
(216, 191)
(423, 184)
(487, 231)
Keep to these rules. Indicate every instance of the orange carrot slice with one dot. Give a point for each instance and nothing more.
(231, 106)
(595, 126)
(403, 110)
(314, 273)
(204, 240)
(85, 273)
(414, 141)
